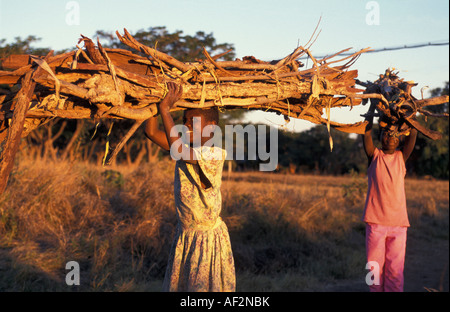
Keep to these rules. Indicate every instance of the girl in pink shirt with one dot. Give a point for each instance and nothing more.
(385, 211)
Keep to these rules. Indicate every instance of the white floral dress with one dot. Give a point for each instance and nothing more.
(201, 258)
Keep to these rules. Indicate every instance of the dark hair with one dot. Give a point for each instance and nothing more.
(210, 115)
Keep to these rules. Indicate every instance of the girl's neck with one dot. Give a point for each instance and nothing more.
(203, 140)
(388, 151)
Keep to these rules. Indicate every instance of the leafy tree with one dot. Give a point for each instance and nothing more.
(21, 46)
(310, 151)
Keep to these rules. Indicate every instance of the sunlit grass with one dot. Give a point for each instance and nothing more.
(288, 232)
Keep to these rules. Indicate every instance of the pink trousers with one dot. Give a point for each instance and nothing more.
(386, 246)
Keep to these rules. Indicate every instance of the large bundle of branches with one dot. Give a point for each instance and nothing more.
(96, 82)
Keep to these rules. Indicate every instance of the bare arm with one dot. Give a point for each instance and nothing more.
(157, 136)
(410, 142)
(173, 95)
(369, 148)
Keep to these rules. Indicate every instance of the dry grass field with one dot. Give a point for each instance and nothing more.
(288, 232)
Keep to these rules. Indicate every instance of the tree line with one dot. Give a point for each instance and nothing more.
(303, 152)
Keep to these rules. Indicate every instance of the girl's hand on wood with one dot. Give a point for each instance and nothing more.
(173, 95)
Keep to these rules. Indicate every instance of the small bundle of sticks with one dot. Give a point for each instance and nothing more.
(397, 107)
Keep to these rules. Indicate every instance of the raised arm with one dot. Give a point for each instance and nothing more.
(157, 136)
(174, 93)
(410, 142)
(369, 148)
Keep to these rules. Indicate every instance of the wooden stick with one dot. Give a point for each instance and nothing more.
(111, 156)
(130, 41)
(12, 143)
(139, 83)
(210, 59)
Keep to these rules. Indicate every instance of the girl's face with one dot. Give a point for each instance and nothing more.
(196, 127)
(389, 141)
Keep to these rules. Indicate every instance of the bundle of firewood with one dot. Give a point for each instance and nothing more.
(397, 108)
(95, 82)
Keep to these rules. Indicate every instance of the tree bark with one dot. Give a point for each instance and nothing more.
(11, 146)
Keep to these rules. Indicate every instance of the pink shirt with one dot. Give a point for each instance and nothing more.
(386, 200)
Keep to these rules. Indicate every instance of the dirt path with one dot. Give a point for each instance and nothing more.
(427, 265)
(426, 268)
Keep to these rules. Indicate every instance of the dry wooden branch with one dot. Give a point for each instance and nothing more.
(111, 156)
(398, 108)
(97, 82)
(9, 151)
(112, 83)
(19, 105)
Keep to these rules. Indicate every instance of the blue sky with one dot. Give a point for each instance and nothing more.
(262, 28)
